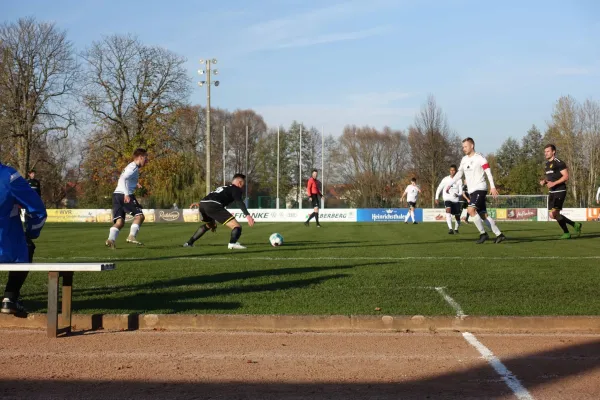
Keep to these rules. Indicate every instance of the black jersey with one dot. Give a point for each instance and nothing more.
(225, 195)
(35, 185)
(553, 174)
(465, 193)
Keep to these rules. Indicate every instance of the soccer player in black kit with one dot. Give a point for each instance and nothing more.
(212, 210)
(556, 179)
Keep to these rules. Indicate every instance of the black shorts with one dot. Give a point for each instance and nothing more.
(464, 204)
(454, 206)
(120, 208)
(412, 204)
(478, 200)
(556, 200)
(315, 201)
(212, 211)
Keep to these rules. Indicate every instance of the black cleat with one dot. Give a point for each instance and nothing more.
(306, 223)
(12, 306)
(482, 238)
(501, 238)
(450, 232)
(456, 231)
(414, 223)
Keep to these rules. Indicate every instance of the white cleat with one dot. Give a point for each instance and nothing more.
(133, 240)
(110, 244)
(235, 246)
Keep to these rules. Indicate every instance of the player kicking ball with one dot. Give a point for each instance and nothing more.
(411, 193)
(124, 201)
(212, 210)
(451, 199)
(474, 167)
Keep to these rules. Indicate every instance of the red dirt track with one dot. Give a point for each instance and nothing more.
(254, 365)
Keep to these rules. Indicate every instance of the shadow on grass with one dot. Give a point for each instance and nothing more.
(186, 294)
(477, 382)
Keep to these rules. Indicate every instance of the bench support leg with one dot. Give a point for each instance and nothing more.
(52, 315)
(67, 291)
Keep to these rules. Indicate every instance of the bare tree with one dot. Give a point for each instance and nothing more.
(567, 130)
(433, 146)
(371, 163)
(37, 78)
(240, 120)
(589, 115)
(131, 89)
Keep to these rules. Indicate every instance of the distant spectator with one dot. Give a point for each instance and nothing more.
(175, 206)
(34, 183)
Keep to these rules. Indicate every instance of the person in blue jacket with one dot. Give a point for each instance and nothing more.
(17, 246)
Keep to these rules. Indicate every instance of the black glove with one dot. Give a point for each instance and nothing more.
(31, 248)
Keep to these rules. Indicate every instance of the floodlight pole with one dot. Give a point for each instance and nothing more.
(208, 83)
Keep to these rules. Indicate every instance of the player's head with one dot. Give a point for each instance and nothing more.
(31, 174)
(239, 180)
(140, 157)
(468, 146)
(549, 151)
(453, 170)
(413, 181)
(315, 173)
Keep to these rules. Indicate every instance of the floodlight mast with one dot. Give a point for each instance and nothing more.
(208, 72)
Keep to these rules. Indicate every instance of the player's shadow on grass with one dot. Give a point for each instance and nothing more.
(167, 296)
(535, 371)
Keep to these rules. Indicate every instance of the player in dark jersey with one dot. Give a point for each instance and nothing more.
(34, 183)
(212, 210)
(556, 179)
(465, 200)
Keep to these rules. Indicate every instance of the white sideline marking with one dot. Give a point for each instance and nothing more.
(459, 312)
(508, 377)
(209, 258)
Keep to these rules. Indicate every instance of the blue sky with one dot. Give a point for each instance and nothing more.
(495, 68)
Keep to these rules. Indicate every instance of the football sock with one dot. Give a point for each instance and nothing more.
(310, 216)
(563, 223)
(412, 215)
(201, 231)
(456, 222)
(114, 232)
(449, 220)
(467, 218)
(235, 234)
(478, 223)
(316, 217)
(567, 220)
(14, 284)
(135, 228)
(492, 224)
(407, 216)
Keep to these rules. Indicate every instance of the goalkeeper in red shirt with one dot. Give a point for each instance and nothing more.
(313, 192)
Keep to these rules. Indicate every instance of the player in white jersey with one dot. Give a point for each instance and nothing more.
(124, 201)
(598, 196)
(474, 167)
(451, 199)
(411, 193)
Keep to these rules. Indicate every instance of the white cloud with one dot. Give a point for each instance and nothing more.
(314, 27)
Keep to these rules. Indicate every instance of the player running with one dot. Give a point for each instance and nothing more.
(411, 193)
(212, 210)
(451, 199)
(124, 201)
(313, 192)
(556, 179)
(474, 167)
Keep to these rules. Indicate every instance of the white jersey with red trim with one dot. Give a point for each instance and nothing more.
(473, 168)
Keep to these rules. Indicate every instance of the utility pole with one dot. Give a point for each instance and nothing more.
(208, 83)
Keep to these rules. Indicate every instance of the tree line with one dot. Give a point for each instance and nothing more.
(76, 115)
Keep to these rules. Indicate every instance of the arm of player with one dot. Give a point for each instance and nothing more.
(28, 199)
(309, 188)
(563, 179)
(488, 172)
(237, 196)
(456, 178)
(439, 190)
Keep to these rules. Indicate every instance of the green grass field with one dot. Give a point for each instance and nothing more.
(339, 269)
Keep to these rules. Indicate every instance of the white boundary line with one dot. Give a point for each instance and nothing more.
(211, 258)
(508, 377)
(459, 312)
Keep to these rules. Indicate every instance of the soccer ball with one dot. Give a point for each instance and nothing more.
(276, 239)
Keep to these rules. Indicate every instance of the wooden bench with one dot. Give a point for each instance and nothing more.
(56, 271)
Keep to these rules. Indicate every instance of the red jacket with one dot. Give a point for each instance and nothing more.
(313, 187)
